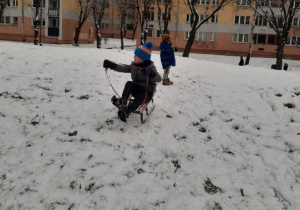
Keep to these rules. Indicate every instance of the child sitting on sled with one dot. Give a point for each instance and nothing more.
(144, 78)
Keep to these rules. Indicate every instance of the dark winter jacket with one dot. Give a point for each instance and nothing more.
(138, 77)
(167, 56)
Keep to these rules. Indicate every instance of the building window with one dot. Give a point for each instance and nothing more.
(54, 23)
(158, 32)
(240, 38)
(202, 17)
(106, 25)
(260, 21)
(296, 22)
(187, 35)
(150, 16)
(214, 2)
(37, 2)
(162, 1)
(243, 2)
(5, 20)
(14, 21)
(243, 20)
(15, 3)
(129, 26)
(259, 38)
(202, 36)
(212, 37)
(272, 40)
(162, 16)
(214, 19)
(293, 40)
(188, 18)
(150, 33)
(202, 2)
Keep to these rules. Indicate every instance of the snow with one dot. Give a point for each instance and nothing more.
(221, 137)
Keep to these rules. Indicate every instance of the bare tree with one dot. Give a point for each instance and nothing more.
(251, 38)
(85, 7)
(126, 9)
(98, 7)
(196, 22)
(143, 17)
(279, 14)
(166, 16)
(3, 5)
(37, 22)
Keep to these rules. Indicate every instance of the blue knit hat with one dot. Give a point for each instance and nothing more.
(144, 51)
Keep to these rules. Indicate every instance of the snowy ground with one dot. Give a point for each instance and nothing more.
(222, 137)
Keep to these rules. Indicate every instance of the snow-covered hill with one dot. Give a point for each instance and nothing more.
(222, 137)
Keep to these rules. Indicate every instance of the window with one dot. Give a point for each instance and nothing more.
(202, 17)
(214, 2)
(259, 38)
(129, 26)
(106, 25)
(296, 22)
(162, 1)
(150, 33)
(158, 33)
(5, 20)
(272, 39)
(37, 3)
(150, 16)
(105, 15)
(240, 38)
(244, 20)
(293, 40)
(276, 3)
(260, 21)
(163, 17)
(243, 2)
(214, 19)
(186, 35)
(54, 23)
(14, 21)
(212, 36)
(188, 18)
(15, 3)
(202, 2)
(202, 36)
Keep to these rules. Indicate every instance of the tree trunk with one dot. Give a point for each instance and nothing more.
(251, 39)
(190, 42)
(122, 37)
(279, 55)
(98, 37)
(76, 36)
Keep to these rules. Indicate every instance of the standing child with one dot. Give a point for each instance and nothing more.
(167, 57)
(141, 87)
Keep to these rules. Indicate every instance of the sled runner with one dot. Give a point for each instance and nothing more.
(144, 108)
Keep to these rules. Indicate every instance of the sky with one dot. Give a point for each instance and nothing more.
(222, 136)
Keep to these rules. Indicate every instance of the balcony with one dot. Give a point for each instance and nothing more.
(53, 13)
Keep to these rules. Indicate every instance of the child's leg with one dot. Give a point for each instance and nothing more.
(139, 99)
(166, 73)
(128, 89)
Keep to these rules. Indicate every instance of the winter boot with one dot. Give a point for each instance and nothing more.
(166, 82)
(123, 114)
(170, 81)
(118, 102)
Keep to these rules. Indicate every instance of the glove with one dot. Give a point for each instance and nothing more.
(109, 64)
(173, 63)
(149, 72)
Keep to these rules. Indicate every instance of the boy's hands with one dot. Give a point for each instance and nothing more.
(149, 72)
(109, 64)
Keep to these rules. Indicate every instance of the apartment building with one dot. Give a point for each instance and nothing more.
(59, 19)
(228, 32)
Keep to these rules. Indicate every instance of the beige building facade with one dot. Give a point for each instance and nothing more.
(228, 32)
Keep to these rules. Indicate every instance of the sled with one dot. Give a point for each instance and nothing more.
(144, 108)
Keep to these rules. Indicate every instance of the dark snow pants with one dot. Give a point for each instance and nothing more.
(139, 94)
